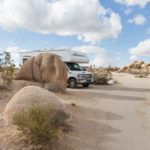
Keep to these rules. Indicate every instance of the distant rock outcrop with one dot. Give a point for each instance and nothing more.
(101, 76)
(137, 67)
(29, 96)
(44, 68)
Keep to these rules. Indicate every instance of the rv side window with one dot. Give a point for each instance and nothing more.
(24, 60)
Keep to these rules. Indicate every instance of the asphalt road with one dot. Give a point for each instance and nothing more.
(112, 117)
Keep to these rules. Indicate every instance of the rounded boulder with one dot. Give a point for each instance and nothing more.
(44, 68)
(28, 97)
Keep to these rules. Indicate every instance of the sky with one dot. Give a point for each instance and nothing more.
(110, 32)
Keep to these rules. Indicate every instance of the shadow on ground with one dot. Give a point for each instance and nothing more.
(119, 88)
(89, 131)
(110, 96)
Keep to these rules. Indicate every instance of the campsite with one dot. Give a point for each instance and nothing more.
(104, 116)
(74, 75)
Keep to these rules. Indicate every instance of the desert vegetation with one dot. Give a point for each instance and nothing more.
(7, 69)
(37, 127)
(101, 75)
(37, 116)
(56, 87)
(42, 125)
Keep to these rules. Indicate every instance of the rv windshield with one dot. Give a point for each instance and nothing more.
(74, 66)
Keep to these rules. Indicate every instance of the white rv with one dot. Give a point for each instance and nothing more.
(71, 58)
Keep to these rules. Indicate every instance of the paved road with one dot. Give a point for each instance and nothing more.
(114, 117)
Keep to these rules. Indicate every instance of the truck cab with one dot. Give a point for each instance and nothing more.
(77, 76)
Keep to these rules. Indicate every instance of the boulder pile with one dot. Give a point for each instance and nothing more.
(100, 71)
(137, 67)
(44, 68)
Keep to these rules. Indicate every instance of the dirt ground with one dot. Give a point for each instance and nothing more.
(106, 117)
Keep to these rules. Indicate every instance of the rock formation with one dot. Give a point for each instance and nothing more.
(44, 68)
(137, 67)
(31, 96)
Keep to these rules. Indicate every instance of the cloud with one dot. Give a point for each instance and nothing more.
(133, 58)
(89, 49)
(101, 60)
(141, 3)
(86, 19)
(142, 49)
(98, 56)
(137, 20)
(14, 51)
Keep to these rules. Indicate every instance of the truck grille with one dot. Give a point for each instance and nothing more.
(88, 76)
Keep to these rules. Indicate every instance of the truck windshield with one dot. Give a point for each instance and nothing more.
(74, 67)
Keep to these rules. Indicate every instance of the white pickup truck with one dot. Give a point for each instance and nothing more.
(72, 59)
(77, 76)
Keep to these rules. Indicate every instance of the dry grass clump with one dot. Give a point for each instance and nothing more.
(42, 125)
(101, 75)
(56, 87)
(99, 80)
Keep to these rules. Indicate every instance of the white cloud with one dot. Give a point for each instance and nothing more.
(101, 60)
(137, 20)
(133, 58)
(98, 56)
(14, 51)
(141, 3)
(86, 19)
(90, 49)
(142, 49)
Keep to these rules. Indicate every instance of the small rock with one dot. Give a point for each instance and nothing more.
(110, 82)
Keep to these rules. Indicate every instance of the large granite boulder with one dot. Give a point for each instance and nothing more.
(28, 97)
(44, 68)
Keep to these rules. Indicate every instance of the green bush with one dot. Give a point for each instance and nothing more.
(7, 69)
(56, 87)
(42, 125)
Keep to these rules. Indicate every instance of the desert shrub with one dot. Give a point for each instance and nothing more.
(109, 68)
(7, 69)
(99, 80)
(41, 125)
(56, 87)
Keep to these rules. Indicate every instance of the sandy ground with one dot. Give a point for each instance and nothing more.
(111, 117)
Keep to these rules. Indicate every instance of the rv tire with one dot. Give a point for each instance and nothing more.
(72, 83)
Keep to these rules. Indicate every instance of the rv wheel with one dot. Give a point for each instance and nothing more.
(72, 83)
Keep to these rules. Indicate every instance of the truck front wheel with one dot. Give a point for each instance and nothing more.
(85, 84)
(72, 83)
